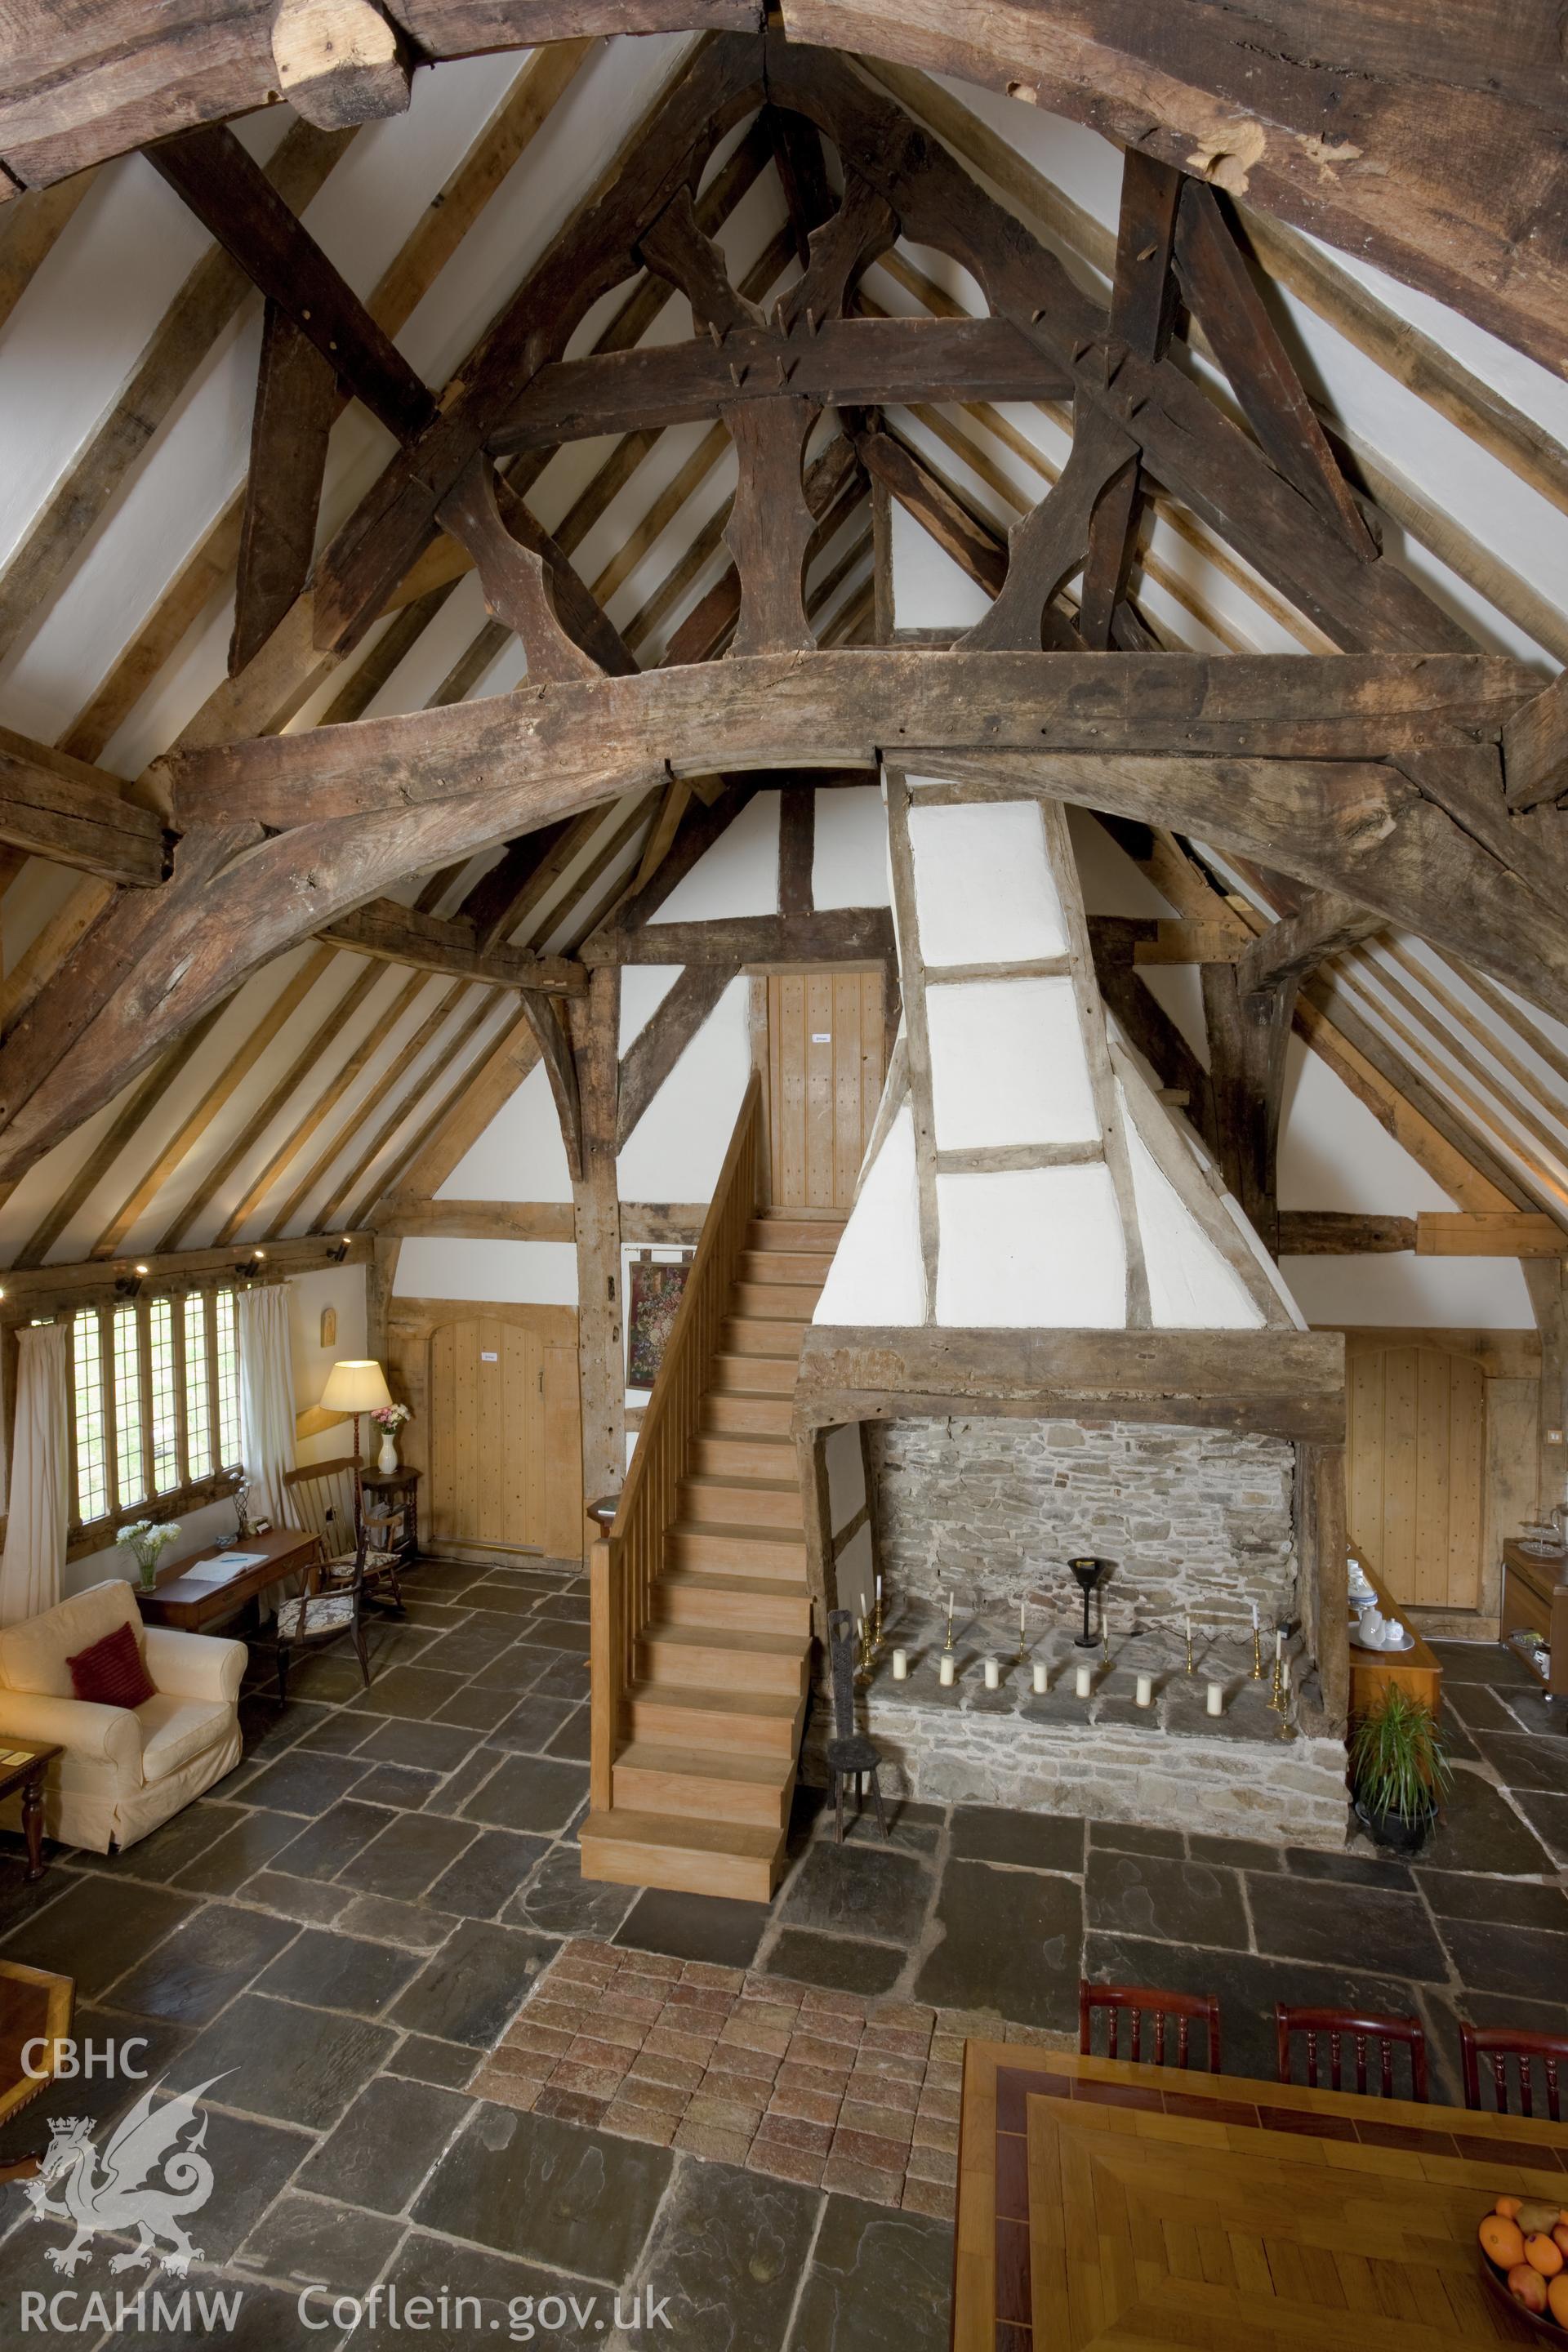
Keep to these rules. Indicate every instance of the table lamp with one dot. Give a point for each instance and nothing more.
(356, 1385)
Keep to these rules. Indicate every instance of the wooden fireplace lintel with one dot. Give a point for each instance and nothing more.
(1275, 1383)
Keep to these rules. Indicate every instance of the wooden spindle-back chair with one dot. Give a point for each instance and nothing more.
(1335, 2024)
(1495, 2048)
(1143, 2001)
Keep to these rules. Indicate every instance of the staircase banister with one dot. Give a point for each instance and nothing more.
(624, 1561)
(740, 1159)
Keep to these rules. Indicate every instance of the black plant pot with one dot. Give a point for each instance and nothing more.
(1398, 1831)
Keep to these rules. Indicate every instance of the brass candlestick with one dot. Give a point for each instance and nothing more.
(877, 1631)
(1189, 1641)
(1256, 1657)
(948, 1643)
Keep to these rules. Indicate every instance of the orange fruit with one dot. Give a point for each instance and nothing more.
(1502, 2241)
(1542, 2253)
(1527, 2286)
(1557, 2298)
(1560, 2235)
(1508, 2207)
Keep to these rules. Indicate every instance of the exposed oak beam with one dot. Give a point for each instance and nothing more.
(233, 197)
(433, 943)
(1342, 1233)
(847, 362)
(837, 935)
(60, 808)
(1320, 928)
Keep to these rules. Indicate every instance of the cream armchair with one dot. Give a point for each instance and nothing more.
(124, 1769)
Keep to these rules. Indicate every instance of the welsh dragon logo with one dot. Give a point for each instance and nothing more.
(118, 2192)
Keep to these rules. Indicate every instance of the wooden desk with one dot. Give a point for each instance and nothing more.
(1415, 1671)
(23, 1763)
(1101, 2203)
(191, 1603)
(36, 2005)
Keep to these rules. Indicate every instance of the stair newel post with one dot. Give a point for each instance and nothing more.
(608, 1667)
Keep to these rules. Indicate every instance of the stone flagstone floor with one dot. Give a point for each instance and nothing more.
(346, 1932)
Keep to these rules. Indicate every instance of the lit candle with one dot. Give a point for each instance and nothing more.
(1021, 1622)
(879, 1589)
(1284, 1678)
(1255, 1616)
(993, 1674)
(945, 1671)
(1040, 1678)
(950, 1617)
(1083, 1681)
(1216, 1699)
(1280, 1641)
(901, 1665)
(1144, 1693)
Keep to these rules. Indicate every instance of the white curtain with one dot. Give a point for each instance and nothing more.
(267, 1400)
(40, 1460)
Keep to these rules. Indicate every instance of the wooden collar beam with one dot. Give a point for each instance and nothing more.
(62, 809)
(842, 362)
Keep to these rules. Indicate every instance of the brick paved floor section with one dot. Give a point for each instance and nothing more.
(825, 2089)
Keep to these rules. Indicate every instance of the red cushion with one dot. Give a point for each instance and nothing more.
(110, 1673)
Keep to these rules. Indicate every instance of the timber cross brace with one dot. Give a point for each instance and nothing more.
(1410, 774)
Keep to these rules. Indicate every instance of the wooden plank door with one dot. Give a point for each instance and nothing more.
(1418, 1471)
(825, 1079)
(505, 1438)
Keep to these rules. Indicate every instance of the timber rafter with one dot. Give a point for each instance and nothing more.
(1387, 785)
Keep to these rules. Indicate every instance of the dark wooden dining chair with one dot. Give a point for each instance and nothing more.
(1477, 2043)
(1143, 2001)
(1335, 2025)
(850, 1755)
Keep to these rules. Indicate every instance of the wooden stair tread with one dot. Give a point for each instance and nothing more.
(692, 1698)
(741, 1482)
(718, 1581)
(705, 1764)
(736, 1531)
(724, 1637)
(756, 1840)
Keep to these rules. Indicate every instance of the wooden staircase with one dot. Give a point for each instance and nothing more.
(701, 1722)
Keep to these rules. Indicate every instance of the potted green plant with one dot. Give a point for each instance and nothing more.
(1399, 1769)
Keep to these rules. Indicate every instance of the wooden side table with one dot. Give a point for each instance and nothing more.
(391, 1507)
(23, 1763)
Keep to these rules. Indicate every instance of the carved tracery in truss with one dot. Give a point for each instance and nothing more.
(1406, 755)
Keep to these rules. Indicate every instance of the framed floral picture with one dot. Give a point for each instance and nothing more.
(654, 1301)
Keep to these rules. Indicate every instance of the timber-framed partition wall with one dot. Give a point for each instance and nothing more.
(1288, 1384)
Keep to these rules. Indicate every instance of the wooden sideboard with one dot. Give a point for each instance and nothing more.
(1415, 1671)
(1535, 1600)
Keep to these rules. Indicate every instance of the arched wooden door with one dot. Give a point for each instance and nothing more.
(503, 1434)
(1418, 1471)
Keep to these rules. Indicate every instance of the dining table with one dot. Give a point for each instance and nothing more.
(1105, 2203)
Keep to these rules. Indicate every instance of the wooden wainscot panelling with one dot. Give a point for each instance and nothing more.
(496, 1426)
(1282, 1383)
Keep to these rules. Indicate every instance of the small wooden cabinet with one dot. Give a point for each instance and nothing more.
(1535, 1599)
(391, 1507)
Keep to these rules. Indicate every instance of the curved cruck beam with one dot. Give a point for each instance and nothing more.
(1347, 126)
(1284, 759)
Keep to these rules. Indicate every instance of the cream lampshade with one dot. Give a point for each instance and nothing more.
(357, 1385)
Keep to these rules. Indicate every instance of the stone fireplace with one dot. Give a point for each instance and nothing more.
(1049, 1331)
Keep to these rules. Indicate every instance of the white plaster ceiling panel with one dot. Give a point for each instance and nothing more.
(1009, 1064)
(1037, 1247)
(984, 892)
(1191, 1287)
(878, 1274)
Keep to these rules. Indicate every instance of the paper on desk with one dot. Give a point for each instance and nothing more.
(226, 1564)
